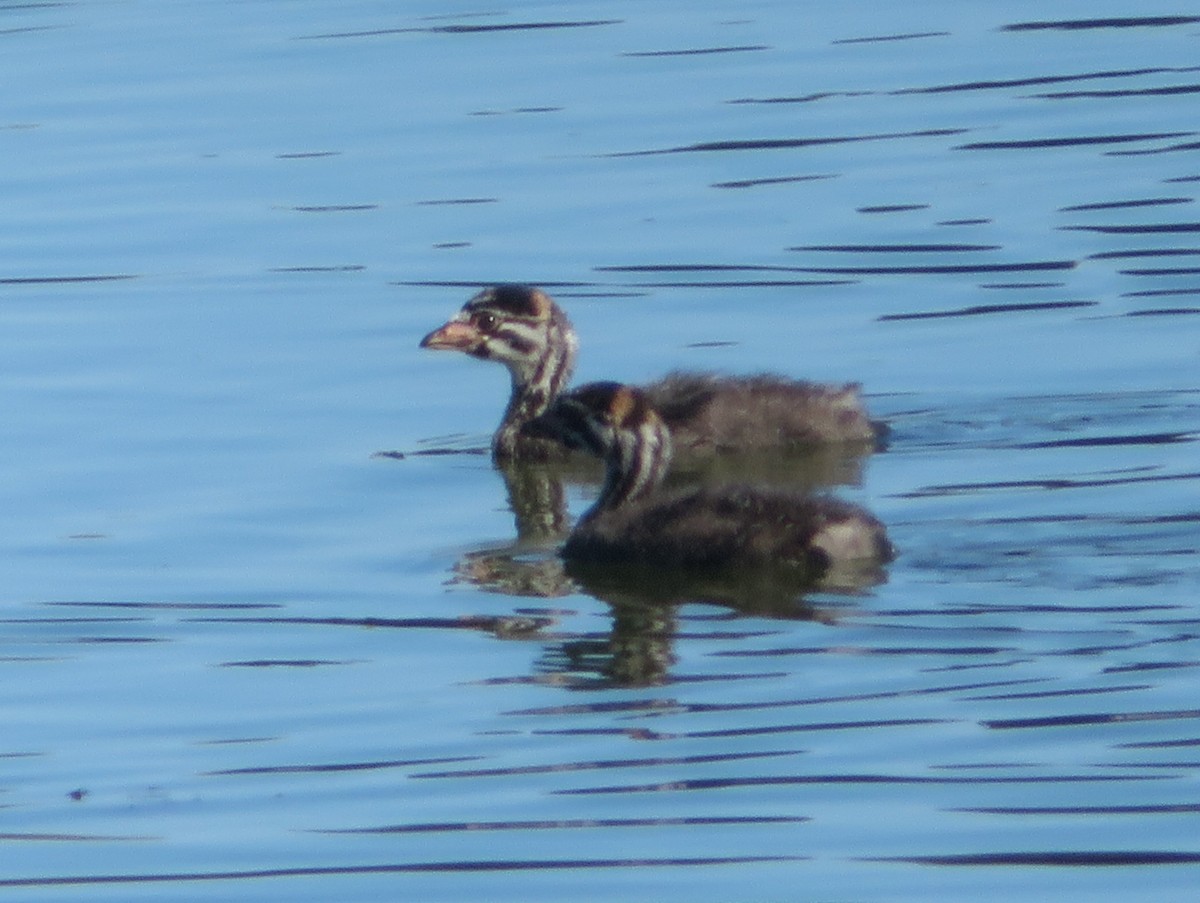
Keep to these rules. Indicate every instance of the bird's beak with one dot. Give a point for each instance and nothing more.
(456, 335)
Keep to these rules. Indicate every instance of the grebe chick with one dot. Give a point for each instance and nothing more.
(524, 329)
(706, 529)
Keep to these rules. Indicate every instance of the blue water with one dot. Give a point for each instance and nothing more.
(245, 657)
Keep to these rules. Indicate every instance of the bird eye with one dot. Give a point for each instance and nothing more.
(485, 320)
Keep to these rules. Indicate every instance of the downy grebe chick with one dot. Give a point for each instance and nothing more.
(524, 329)
(744, 529)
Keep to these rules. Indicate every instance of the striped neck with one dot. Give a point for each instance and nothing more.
(636, 456)
(540, 356)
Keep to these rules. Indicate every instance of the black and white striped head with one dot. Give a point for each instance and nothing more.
(518, 326)
(617, 423)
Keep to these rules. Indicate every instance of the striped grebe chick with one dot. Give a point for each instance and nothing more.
(524, 329)
(709, 529)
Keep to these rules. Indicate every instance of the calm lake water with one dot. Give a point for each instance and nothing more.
(245, 657)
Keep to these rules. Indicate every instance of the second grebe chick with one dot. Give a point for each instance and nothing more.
(706, 529)
(524, 329)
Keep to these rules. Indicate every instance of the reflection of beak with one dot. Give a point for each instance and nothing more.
(454, 336)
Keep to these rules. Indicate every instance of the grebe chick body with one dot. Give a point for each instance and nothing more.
(707, 529)
(523, 328)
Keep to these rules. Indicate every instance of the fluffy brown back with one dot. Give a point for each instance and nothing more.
(717, 413)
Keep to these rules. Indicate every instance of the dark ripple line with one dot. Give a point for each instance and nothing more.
(1114, 22)
(101, 640)
(79, 838)
(1032, 608)
(113, 620)
(1091, 718)
(695, 268)
(656, 706)
(467, 622)
(699, 51)
(1078, 141)
(606, 764)
(891, 208)
(1163, 809)
(1164, 312)
(450, 202)
(172, 606)
(1143, 229)
(31, 28)
(554, 824)
(1141, 667)
(457, 283)
(777, 180)
(1159, 293)
(1009, 286)
(331, 268)
(749, 283)
(816, 726)
(307, 155)
(1187, 743)
(1145, 252)
(956, 651)
(977, 310)
(801, 98)
(1168, 91)
(893, 37)
(1143, 439)
(897, 249)
(336, 767)
(1066, 858)
(787, 143)
(836, 779)
(335, 208)
(466, 865)
(1161, 271)
(285, 663)
(1062, 483)
(1042, 80)
(949, 269)
(460, 29)
(57, 280)
(1148, 151)
(522, 26)
(1123, 205)
(1053, 694)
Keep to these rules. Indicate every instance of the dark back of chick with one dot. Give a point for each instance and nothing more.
(708, 412)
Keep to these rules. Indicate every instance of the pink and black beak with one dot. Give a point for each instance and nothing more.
(455, 335)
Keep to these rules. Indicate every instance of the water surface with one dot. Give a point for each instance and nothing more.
(248, 658)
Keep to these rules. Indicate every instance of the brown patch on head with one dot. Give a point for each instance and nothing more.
(514, 301)
(612, 403)
(542, 306)
(595, 398)
(626, 403)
